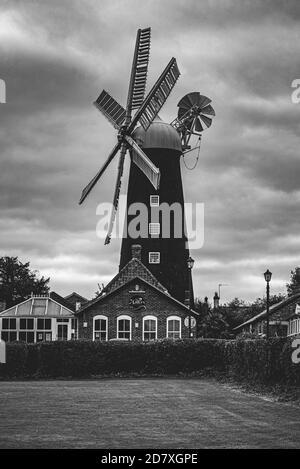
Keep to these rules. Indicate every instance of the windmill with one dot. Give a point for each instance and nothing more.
(192, 117)
(147, 109)
(155, 148)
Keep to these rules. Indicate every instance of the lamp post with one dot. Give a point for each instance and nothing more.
(268, 276)
(190, 264)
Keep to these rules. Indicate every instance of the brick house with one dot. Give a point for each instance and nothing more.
(284, 319)
(135, 306)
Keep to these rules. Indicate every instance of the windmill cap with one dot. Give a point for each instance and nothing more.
(158, 135)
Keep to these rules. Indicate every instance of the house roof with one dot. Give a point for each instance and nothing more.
(272, 310)
(38, 306)
(129, 271)
(75, 296)
(102, 298)
(61, 300)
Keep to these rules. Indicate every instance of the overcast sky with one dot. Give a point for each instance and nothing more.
(57, 56)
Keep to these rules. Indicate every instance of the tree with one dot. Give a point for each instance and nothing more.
(237, 311)
(212, 322)
(17, 281)
(294, 283)
(220, 322)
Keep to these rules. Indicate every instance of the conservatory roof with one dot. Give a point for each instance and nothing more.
(38, 306)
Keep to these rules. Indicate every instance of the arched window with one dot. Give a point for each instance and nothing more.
(149, 328)
(174, 327)
(124, 327)
(100, 328)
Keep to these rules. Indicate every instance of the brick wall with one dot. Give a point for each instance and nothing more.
(118, 303)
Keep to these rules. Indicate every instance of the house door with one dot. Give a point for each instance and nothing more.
(62, 331)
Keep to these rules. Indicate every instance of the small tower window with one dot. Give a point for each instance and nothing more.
(154, 257)
(154, 228)
(154, 200)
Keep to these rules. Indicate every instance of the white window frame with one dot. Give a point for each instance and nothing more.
(74, 330)
(174, 318)
(105, 318)
(119, 318)
(151, 318)
(153, 204)
(27, 331)
(43, 330)
(154, 252)
(9, 330)
(294, 327)
(154, 229)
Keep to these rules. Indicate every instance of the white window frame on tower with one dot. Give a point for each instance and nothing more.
(154, 200)
(103, 318)
(120, 318)
(154, 229)
(150, 318)
(151, 255)
(174, 318)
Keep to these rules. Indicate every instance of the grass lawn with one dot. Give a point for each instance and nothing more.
(142, 413)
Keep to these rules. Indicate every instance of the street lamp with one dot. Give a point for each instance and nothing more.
(268, 276)
(190, 264)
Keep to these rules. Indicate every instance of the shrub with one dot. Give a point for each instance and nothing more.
(258, 360)
(291, 371)
(16, 360)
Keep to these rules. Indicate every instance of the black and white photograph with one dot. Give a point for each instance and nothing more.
(149, 229)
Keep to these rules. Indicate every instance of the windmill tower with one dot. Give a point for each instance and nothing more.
(155, 176)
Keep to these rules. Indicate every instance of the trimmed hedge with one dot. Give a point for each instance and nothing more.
(260, 361)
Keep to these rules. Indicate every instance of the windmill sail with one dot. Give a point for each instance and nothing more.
(111, 109)
(96, 178)
(116, 193)
(157, 96)
(144, 163)
(139, 70)
(136, 91)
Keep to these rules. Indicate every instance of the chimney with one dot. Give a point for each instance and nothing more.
(297, 279)
(136, 251)
(216, 301)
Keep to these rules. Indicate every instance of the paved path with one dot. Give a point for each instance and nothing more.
(143, 413)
